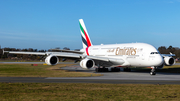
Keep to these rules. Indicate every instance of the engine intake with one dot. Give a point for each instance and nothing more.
(87, 63)
(51, 60)
(169, 61)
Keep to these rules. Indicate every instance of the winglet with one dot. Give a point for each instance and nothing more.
(3, 51)
(172, 54)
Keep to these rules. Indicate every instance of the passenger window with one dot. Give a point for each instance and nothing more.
(154, 52)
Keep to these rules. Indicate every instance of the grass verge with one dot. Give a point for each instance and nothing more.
(88, 92)
(167, 69)
(27, 70)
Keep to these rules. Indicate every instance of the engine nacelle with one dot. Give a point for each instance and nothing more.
(169, 61)
(51, 60)
(160, 67)
(87, 63)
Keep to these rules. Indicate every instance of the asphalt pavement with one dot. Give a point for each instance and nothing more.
(122, 77)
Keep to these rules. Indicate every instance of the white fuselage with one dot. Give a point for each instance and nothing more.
(133, 54)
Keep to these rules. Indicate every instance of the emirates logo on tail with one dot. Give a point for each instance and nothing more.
(84, 34)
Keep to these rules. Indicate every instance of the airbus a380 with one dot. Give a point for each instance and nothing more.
(112, 55)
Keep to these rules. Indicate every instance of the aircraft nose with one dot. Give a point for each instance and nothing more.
(159, 60)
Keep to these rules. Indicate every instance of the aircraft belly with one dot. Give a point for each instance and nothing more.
(107, 61)
(103, 63)
(116, 60)
(133, 61)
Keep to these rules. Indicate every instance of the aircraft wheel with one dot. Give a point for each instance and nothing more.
(127, 69)
(115, 69)
(97, 70)
(152, 73)
(101, 69)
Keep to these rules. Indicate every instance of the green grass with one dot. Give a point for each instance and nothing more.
(20, 61)
(79, 91)
(167, 69)
(171, 69)
(27, 70)
(88, 92)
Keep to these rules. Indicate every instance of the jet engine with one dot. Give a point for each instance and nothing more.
(169, 61)
(87, 63)
(160, 67)
(51, 60)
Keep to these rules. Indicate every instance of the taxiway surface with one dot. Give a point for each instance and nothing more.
(44, 62)
(133, 77)
(34, 63)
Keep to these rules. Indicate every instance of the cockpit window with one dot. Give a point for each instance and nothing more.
(154, 52)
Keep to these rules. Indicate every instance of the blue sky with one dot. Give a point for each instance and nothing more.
(45, 24)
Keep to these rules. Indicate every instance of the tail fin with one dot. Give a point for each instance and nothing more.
(84, 34)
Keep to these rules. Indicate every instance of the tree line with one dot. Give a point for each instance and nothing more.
(162, 50)
(7, 56)
(170, 49)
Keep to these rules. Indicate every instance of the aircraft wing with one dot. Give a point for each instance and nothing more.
(69, 51)
(169, 55)
(65, 54)
(60, 54)
(20, 52)
(104, 60)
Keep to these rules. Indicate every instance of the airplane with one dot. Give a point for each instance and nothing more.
(111, 56)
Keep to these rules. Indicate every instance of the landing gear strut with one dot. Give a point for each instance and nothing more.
(101, 69)
(115, 69)
(153, 71)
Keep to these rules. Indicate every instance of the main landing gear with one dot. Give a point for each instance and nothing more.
(127, 69)
(153, 71)
(101, 69)
(115, 69)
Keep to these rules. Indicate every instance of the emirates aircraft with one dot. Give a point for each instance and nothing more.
(112, 56)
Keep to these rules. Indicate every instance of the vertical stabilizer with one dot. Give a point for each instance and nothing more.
(84, 34)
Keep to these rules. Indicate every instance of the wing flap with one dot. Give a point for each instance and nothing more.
(33, 53)
(69, 51)
(60, 54)
(70, 55)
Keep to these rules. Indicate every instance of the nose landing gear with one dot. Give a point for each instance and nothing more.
(153, 71)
